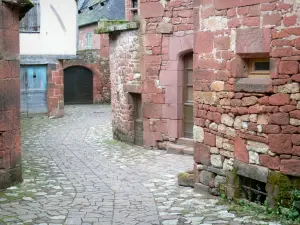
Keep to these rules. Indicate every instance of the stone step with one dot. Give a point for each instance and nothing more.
(186, 141)
(188, 151)
(175, 149)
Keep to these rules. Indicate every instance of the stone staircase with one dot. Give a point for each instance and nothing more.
(183, 146)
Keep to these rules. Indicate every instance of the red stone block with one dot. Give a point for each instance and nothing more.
(272, 19)
(280, 118)
(158, 98)
(295, 114)
(203, 42)
(264, 100)
(240, 151)
(153, 111)
(210, 139)
(221, 4)
(296, 78)
(282, 42)
(204, 74)
(151, 9)
(254, 10)
(289, 129)
(296, 150)
(9, 69)
(289, 21)
(280, 143)
(253, 40)
(283, 6)
(287, 108)
(282, 52)
(296, 139)
(279, 99)
(243, 10)
(268, 7)
(251, 21)
(289, 67)
(290, 167)
(202, 154)
(269, 161)
(234, 23)
(222, 43)
(172, 111)
(271, 129)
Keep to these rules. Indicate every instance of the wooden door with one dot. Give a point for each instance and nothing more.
(138, 120)
(188, 119)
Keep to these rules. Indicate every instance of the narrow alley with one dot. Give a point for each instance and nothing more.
(74, 173)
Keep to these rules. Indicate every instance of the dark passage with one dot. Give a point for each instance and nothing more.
(78, 85)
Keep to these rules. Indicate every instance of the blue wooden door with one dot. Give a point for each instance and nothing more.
(33, 89)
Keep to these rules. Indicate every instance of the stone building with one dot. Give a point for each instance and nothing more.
(221, 74)
(10, 135)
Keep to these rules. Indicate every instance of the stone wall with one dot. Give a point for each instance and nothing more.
(167, 33)
(10, 134)
(125, 79)
(242, 124)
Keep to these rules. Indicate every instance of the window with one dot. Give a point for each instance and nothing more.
(31, 22)
(259, 68)
(134, 3)
(88, 40)
(253, 190)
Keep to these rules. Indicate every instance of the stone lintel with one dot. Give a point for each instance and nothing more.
(133, 88)
(111, 26)
(252, 171)
(254, 85)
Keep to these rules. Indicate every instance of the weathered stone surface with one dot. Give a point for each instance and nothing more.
(217, 161)
(227, 120)
(289, 88)
(290, 167)
(164, 28)
(253, 158)
(257, 147)
(240, 151)
(219, 180)
(269, 161)
(202, 154)
(186, 179)
(209, 98)
(217, 86)
(248, 101)
(281, 143)
(252, 171)
(206, 177)
(198, 134)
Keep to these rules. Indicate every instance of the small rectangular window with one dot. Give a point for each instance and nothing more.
(259, 68)
(88, 40)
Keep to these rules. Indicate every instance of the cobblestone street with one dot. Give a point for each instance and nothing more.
(74, 173)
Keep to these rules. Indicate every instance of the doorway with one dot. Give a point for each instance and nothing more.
(78, 85)
(138, 120)
(33, 89)
(188, 118)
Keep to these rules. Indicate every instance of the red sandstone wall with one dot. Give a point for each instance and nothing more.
(82, 41)
(10, 135)
(125, 79)
(239, 119)
(167, 33)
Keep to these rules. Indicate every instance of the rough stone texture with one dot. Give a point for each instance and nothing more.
(10, 140)
(252, 171)
(75, 174)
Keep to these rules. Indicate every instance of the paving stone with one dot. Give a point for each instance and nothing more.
(75, 174)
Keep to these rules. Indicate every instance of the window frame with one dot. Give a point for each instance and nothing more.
(252, 73)
(88, 40)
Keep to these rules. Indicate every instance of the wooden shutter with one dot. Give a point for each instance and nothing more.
(31, 21)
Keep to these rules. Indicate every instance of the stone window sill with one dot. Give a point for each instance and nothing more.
(256, 85)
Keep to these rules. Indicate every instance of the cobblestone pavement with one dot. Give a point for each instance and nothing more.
(74, 173)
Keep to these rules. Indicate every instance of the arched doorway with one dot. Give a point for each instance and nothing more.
(188, 119)
(78, 85)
